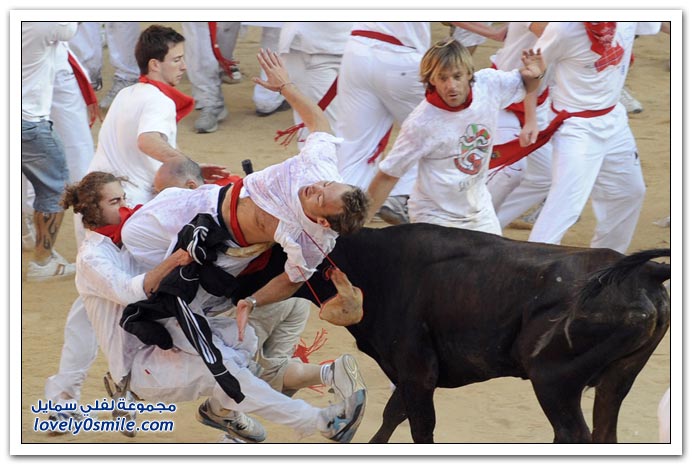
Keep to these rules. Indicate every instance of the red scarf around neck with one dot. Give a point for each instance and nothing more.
(601, 36)
(114, 230)
(183, 103)
(434, 99)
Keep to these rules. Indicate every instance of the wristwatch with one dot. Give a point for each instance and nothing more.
(252, 301)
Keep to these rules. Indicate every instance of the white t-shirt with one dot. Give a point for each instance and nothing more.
(575, 82)
(453, 149)
(414, 35)
(151, 233)
(314, 38)
(135, 110)
(40, 47)
(108, 279)
(275, 190)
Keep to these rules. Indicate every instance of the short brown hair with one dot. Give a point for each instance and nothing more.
(445, 54)
(352, 218)
(85, 195)
(154, 42)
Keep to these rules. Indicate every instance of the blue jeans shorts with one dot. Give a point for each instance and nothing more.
(43, 163)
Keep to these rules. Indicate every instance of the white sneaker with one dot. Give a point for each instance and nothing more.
(339, 422)
(394, 210)
(209, 118)
(631, 104)
(65, 416)
(346, 379)
(121, 391)
(56, 268)
(235, 77)
(233, 424)
(663, 222)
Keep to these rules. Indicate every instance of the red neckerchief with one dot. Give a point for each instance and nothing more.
(183, 103)
(230, 179)
(434, 99)
(82, 81)
(601, 36)
(113, 230)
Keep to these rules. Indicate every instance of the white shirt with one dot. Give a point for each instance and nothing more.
(135, 110)
(314, 38)
(151, 233)
(575, 83)
(108, 279)
(453, 149)
(275, 190)
(414, 35)
(40, 47)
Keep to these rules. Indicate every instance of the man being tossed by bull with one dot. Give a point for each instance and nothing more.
(298, 203)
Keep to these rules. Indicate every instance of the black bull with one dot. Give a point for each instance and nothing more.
(449, 307)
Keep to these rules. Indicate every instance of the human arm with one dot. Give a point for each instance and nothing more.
(485, 30)
(379, 189)
(537, 27)
(529, 131)
(153, 278)
(533, 70)
(279, 81)
(278, 289)
(155, 145)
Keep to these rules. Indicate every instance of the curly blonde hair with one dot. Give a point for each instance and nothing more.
(85, 195)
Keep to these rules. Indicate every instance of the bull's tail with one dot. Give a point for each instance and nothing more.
(614, 274)
(617, 273)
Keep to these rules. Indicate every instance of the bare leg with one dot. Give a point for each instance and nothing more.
(47, 227)
(299, 375)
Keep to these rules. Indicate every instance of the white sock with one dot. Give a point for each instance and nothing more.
(326, 374)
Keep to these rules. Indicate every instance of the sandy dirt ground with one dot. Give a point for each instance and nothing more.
(498, 411)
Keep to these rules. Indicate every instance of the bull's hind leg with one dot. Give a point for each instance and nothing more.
(612, 388)
(561, 403)
(394, 414)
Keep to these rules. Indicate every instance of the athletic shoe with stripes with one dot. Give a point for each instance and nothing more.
(339, 422)
(233, 424)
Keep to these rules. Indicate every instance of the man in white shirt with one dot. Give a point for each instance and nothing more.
(43, 155)
(298, 203)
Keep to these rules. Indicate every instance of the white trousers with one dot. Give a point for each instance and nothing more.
(180, 376)
(313, 75)
(121, 38)
(597, 157)
(664, 418)
(79, 351)
(202, 66)
(266, 100)
(518, 187)
(377, 87)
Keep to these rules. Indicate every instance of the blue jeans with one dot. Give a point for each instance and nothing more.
(43, 163)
